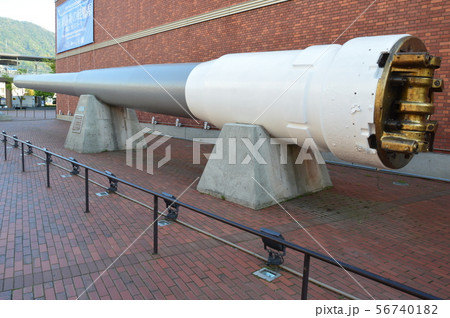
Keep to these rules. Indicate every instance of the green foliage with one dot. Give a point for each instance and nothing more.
(26, 38)
(51, 64)
(43, 94)
(8, 82)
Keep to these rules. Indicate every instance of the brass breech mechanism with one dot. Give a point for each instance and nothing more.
(404, 103)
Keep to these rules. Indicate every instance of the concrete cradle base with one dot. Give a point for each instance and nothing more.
(97, 127)
(248, 182)
(187, 133)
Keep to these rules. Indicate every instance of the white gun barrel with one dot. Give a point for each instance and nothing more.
(367, 101)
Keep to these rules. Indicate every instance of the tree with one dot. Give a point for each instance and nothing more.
(8, 81)
(52, 64)
(43, 94)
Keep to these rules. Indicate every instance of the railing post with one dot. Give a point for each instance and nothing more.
(75, 167)
(16, 143)
(23, 158)
(30, 147)
(48, 159)
(155, 224)
(4, 140)
(113, 183)
(86, 182)
(305, 281)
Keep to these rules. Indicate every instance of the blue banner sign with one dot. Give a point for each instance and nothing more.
(74, 24)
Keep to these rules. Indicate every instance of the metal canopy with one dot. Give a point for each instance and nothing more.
(12, 59)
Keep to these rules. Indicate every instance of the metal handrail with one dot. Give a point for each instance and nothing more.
(156, 195)
(398, 173)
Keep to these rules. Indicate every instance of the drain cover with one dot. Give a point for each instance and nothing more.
(266, 274)
(163, 223)
(102, 194)
(400, 183)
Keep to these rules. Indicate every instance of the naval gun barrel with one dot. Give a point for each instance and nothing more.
(367, 101)
(153, 88)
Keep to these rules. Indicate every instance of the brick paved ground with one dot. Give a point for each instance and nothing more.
(51, 249)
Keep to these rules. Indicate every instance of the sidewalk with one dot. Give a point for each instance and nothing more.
(393, 226)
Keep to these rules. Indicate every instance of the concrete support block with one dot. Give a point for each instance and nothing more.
(192, 133)
(257, 184)
(97, 127)
(187, 133)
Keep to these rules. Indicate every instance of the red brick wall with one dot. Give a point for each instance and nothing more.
(295, 24)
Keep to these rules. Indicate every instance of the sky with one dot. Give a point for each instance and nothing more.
(40, 12)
